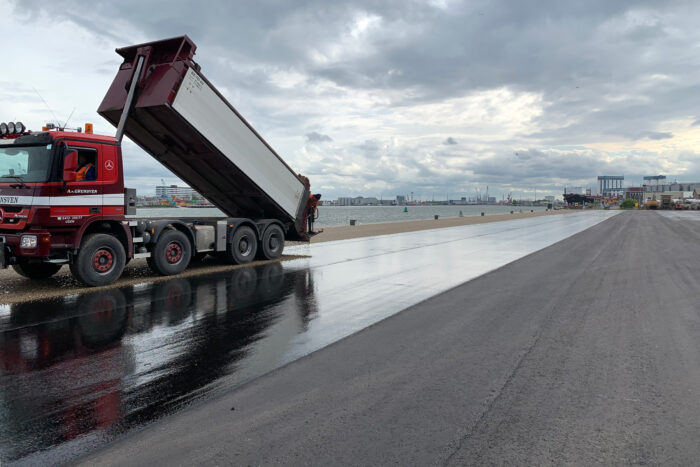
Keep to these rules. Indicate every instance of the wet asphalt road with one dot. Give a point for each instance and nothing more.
(585, 353)
(80, 371)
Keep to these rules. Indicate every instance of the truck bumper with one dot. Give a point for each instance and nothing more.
(12, 253)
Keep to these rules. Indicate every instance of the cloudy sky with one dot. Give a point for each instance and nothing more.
(380, 98)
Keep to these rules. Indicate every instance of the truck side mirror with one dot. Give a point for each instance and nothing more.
(70, 164)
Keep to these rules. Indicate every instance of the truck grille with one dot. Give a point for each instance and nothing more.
(12, 208)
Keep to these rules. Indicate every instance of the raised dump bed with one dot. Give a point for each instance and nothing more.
(179, 118)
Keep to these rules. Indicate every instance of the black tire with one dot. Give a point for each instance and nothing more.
(172, 253)
(243, 283)
(104, 319)
(100, 261)
(36, 270)
(272, 243)
(271, 281)
(171, 300)
(243, 246)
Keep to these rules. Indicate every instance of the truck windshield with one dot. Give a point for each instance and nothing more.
(25, 163)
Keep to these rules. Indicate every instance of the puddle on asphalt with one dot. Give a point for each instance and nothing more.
(108, 361)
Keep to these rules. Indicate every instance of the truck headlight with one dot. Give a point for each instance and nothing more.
(28, 241)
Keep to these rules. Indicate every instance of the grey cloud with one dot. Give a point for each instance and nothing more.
(16, 92)
(369, 146)
(656, 135)
(315, 137)
(450, 141)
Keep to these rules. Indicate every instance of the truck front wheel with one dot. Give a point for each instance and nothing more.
(100, 260)
(36, 270)
(243, 247)
(172, 253)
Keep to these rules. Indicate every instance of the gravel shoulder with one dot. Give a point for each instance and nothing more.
(15, 288)
(387, 228)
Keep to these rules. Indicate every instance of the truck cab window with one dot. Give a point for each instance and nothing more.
(87, 165)
(28, 163)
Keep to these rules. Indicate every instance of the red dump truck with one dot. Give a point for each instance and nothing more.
(53, 212)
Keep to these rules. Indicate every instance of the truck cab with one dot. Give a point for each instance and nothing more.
(48, 204)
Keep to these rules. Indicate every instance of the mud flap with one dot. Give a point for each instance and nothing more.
(3, 256)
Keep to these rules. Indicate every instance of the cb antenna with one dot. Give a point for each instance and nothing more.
(65, 125)
(47, 105)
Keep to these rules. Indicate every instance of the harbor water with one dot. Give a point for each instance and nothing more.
(329, 216)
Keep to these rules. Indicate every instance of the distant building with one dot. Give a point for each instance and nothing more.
(635, 192)
(666, 187)
(653, 180)
(611, 185)
(180, 192)
(578, 199)
(683, 186)
(358, 201)
(575, 190)
(400, 200)
(371, 201)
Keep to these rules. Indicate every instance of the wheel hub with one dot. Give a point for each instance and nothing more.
(103, 260)
(243, 246)
(173, 252)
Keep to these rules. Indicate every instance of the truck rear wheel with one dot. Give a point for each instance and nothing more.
(172, 253)
(100, 261)
(243, 247)
(36, 270)
(272, 243)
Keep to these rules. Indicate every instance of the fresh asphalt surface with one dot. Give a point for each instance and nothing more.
(81, 370)
(586, 352)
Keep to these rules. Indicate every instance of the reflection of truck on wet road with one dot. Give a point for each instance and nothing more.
(182, 335)
(54, 212)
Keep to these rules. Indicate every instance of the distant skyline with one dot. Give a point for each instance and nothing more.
(371, 97)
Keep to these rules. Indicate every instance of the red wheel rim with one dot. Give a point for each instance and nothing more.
(103, 260)
(173, 252)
